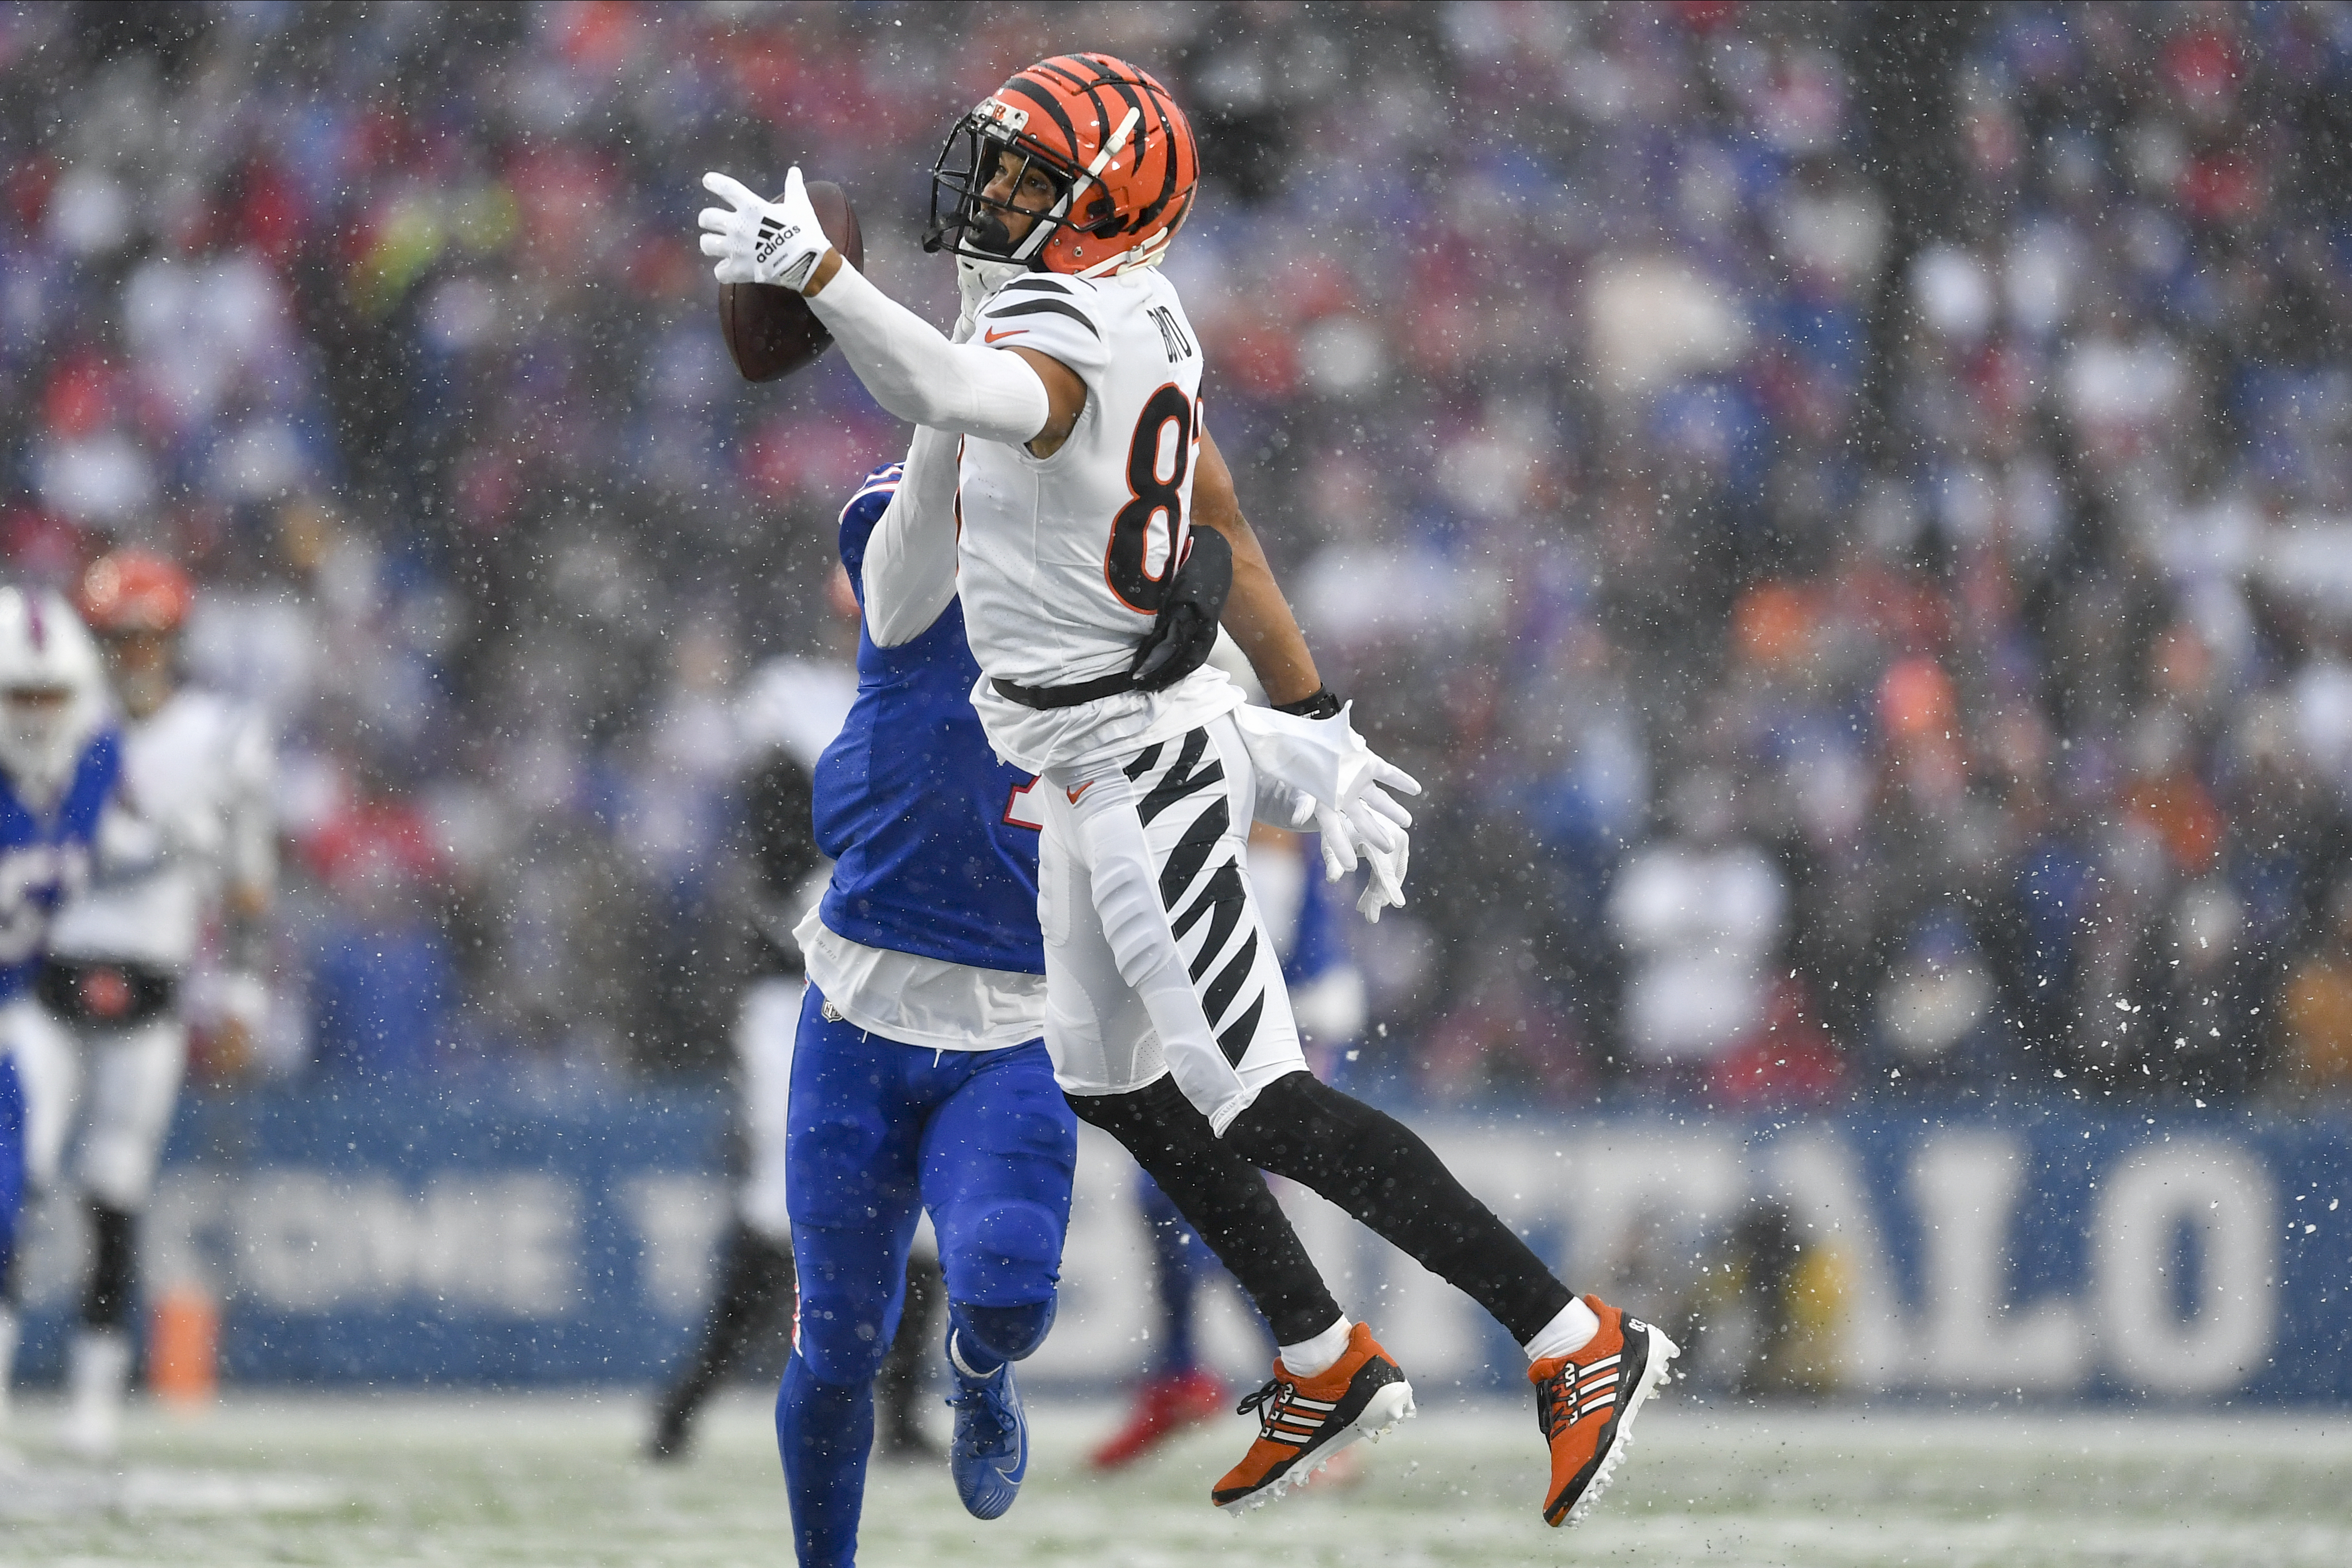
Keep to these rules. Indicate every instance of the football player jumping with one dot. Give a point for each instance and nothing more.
(61, 761)
(926, 945)
(1062, 515)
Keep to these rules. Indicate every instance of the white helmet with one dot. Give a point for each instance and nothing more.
(52, 691)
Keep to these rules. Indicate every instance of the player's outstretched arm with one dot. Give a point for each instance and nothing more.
(912, 368)
(1256, 614)
(909, 572)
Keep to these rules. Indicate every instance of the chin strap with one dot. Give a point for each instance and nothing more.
(1150, 253)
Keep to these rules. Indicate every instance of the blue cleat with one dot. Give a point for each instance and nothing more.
(990, 1452)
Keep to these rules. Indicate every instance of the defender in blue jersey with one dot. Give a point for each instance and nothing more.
(60, 763)
(919, 1077)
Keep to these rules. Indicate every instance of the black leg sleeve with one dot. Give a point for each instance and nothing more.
(1379, 1171)
(756, 1278)
(113, 1260)
(1223, 1198)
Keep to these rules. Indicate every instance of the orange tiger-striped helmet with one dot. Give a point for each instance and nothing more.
(1118, 152)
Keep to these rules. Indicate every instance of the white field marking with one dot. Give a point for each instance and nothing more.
(38, 1491)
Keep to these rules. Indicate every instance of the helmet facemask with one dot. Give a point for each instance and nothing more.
(967, 221)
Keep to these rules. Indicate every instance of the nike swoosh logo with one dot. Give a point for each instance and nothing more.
(1082, 789)
(992, 334)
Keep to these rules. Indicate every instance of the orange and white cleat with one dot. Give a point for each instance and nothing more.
(1164, 1407)
(1303, 1421)
(1586, 1402)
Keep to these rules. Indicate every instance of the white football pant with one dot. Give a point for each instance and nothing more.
(122, 1082)
(1156, 958)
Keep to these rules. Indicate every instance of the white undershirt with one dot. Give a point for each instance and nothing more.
(925, 1002)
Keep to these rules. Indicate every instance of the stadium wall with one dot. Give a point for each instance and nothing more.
(2033, 1254)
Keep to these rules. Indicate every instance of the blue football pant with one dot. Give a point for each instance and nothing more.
(874, 1132)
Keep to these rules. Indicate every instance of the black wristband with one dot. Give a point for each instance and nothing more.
(1321, 705)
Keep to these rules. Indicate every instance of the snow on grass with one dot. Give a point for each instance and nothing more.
(554, 1479)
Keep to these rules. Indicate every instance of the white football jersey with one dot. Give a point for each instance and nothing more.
(200, 768)
(1062, 561)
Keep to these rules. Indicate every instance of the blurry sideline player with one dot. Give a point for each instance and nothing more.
(1326, 997)
(61, 761)
(792, 708)
(1053, 467)
(113, 1034)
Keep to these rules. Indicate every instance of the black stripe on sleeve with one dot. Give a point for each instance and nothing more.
(1231, 901)
(1222, 888)
(1042, 308)
(1182, 779)
(1236, 1041)
(1193, 851)
(1041, 282)
(1228, 983)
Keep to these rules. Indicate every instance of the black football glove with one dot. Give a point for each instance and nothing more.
(1186, 631)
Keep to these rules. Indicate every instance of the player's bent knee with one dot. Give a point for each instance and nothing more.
(1010, 1253)
(1008, 1333)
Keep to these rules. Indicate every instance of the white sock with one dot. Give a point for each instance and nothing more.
(1565, 1334)
(1311, 1358)
(8, 1331)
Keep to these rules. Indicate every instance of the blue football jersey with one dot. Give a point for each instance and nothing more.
(934, 851)
(46, 857)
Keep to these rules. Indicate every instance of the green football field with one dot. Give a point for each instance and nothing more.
(552, 1479)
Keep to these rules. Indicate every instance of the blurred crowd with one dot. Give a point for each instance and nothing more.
(1844, 507)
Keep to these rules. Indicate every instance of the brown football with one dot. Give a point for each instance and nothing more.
(770, 330)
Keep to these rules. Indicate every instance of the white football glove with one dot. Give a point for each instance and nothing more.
(1371, 834)
(760, 241)
(1323, 758)
(1374, 824)
(1321, 771)
(1384, 886)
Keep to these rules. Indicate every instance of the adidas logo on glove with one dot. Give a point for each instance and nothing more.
(772, 238)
